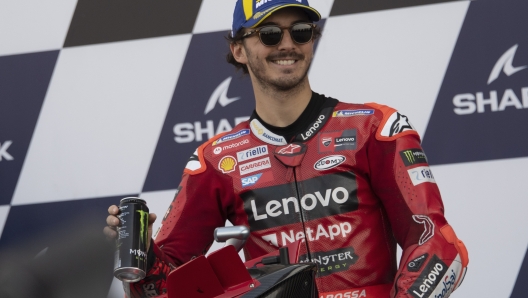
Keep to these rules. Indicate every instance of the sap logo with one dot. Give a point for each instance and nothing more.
(309, 201)
(314, 128)
(3, 150)
(261, 2)
(252, 153)
(251, 180)
(469, 103)
(329, 162)
(321, 232)
(220, 96)
(420, 175)
(193, 132)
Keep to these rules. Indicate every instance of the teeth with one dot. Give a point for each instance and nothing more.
(285, 62)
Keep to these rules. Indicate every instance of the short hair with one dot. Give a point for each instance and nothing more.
(317, 32)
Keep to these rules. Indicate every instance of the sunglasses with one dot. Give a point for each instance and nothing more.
(271, 35)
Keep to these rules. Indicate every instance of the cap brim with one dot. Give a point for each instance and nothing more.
(259, 17)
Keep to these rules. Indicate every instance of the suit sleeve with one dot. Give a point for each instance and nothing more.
(201, 204)
(434, 261)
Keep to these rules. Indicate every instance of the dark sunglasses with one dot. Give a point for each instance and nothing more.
(271, 35)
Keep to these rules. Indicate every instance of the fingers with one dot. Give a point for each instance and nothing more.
(110, 233)
(113, 210)
(112, 221)
(152, 218)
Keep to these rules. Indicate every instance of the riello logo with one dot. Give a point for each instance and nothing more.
(495, 100)
(199, 131)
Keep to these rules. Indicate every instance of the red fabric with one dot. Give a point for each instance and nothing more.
(353, 242)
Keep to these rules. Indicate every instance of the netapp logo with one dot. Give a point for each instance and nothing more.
(4, 155)
(429, 279)
(321, 232)
(469, 103)
(319, 197)
(331, 261)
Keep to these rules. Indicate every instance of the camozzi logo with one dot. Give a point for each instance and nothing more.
(199, 131)
(496, 100)
(4, 154)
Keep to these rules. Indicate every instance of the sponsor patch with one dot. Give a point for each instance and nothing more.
(193, 163)
(315, 126)
(416, 264)
(291, 149)
(231, 136)
(319, 197)
(252, 153)
(329, 162)
(413, 156)
(351, 113)
(396, 124)
(227, 164)
(265, 135)
(420, 175)
(255, 166)
(430, 277)
(319, 232)
(228, 147)
(257, 178)
(338, 140)
(329, 262)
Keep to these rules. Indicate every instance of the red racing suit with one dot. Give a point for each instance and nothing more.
(351, 185)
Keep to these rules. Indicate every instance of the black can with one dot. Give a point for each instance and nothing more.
(130, 263)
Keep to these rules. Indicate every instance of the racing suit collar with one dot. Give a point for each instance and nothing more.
(318, 105)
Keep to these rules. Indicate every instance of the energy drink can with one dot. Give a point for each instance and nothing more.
(130, 263)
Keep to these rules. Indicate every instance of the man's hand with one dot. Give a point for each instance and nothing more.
(113, 222)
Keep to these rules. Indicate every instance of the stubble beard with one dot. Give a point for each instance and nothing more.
(284, 83)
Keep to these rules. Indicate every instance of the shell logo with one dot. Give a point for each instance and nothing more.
(227, 164)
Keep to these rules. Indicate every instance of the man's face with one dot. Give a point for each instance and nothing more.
(284, 66)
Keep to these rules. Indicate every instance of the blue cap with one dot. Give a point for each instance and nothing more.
(250, 13)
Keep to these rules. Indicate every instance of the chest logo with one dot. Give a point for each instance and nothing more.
(329, 162)
(227, 164)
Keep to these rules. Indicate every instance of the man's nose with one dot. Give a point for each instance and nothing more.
(287, 41)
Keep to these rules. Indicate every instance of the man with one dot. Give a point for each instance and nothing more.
(349, 180)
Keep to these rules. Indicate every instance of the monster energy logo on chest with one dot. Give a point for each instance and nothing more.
(413, 156)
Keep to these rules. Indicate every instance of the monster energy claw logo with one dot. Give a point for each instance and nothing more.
(410, 157)
(143, 232)
(413, 156)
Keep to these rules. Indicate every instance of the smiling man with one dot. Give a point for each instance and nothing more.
(349, 181)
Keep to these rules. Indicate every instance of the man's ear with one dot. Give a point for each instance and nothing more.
(239, 52)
